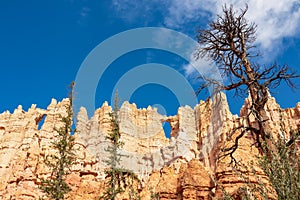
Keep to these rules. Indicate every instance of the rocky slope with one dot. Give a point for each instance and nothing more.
(186, 166)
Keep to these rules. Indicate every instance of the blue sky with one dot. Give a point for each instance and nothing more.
(43, 44)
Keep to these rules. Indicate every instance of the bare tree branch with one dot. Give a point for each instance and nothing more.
(229, 42)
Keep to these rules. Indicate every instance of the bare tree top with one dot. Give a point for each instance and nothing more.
(229, 42)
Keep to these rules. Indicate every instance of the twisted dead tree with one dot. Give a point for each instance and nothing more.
(229, 41)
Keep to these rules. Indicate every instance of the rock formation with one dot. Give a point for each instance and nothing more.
(186, 166)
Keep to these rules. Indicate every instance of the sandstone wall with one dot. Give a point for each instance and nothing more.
(185, 166)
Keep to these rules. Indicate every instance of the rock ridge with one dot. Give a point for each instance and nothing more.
(186, 164)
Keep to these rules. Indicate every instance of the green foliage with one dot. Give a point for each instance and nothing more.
(280, 161)
(119, 179)
(282, 166)
(133, 182)
(154, 195)
(55, 186)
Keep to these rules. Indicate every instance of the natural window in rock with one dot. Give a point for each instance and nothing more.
(40, 121)
(167, 129)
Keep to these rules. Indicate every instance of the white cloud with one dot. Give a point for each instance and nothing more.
(276, 19)
(138, 10)
(201, 67)
(83, 15)
(180, 12)
(85, 11)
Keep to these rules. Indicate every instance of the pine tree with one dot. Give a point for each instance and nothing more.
(282, 164)
(55, 186)
(119, 179)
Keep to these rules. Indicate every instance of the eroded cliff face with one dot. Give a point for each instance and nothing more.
(186, 166)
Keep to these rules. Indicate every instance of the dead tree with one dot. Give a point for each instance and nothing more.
(229, 42)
